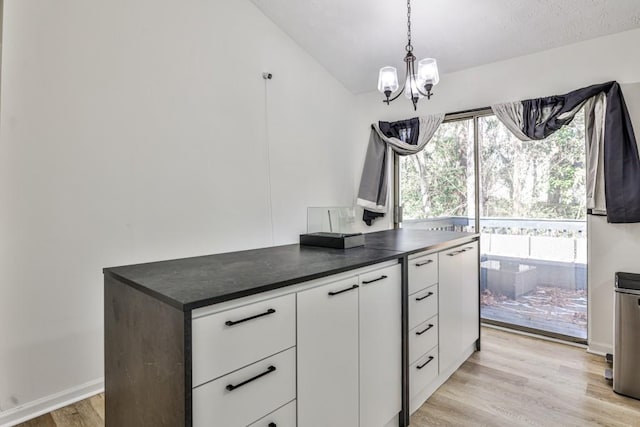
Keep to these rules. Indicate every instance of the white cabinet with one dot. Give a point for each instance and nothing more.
(459, 307)
(247, 334)
(349, 351)
(245, 395)
(380, 343)
(443, 317)
(328, 355)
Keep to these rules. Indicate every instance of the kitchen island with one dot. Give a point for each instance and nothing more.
(291, 335)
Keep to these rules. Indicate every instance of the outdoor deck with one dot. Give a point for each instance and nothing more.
(533, 272)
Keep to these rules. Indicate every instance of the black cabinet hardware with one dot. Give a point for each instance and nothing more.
(420, 264)
(270, 369)
(366, 282)
(344, 290)
(422, 332)
(272, 425)
(454, 253)
(425, 363)
(266, 313)
(424, 297)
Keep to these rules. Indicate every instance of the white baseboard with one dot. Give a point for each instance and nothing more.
(599, 348)
(38, 407)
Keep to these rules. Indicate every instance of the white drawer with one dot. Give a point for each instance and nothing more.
(226, 341)
(423, 272)
(423, 372)
(423, 338)
(423, 305)
(283, 417)
(255, 391)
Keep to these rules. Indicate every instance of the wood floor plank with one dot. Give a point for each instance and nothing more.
(80, 414)
(97, 403)
(42, 421)
(523, 381)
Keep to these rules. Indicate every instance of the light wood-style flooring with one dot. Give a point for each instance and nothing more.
(514, 381)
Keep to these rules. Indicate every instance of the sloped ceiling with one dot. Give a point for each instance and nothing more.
(352, 39)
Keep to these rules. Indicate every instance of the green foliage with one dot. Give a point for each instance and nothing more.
(518, 179)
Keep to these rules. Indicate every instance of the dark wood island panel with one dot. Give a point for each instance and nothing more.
(147, 371)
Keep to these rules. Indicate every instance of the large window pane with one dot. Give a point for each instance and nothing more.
(437, 187)
(533, 241)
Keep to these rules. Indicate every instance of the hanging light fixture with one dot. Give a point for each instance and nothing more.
(417, 84)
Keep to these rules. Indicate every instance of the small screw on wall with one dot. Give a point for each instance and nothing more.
(267, 76)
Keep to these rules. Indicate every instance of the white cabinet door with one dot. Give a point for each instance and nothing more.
(328, 355)
(380, 346)
(458, 302)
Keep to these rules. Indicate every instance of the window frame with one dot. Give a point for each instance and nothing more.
(476, 114)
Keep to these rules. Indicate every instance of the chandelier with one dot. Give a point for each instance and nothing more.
(416, 84)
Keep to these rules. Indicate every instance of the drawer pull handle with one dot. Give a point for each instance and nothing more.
(454, 253)
(232, 387)
(266, 313)
(422, 332)
(366, 282)
(344, 290)
(424, 297)
(420, 264)
(425, 363)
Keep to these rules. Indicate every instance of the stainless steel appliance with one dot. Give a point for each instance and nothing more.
(626, 352)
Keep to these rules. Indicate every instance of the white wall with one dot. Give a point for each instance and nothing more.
(136, 131)
(611, 247)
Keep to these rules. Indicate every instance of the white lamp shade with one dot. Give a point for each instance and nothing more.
(411, 88)
(428, 71)
(388, 79)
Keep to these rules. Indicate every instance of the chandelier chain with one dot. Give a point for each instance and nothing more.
(409, 47)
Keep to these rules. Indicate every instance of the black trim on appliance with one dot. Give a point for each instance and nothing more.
(235, 322)
(269, 370)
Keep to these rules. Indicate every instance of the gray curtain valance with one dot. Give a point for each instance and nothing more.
(613, 169)
(404, 137)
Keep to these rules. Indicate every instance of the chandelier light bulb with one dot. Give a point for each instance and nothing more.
(388, 80)
(411, 88)
(428, 71)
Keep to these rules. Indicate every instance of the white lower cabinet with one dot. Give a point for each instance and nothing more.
(380, 343)
(282, 417)
(328, 355)
(423, 371)
(349, 351)
(423, 338)
(246, 395)
(459, 302)
(443, 318)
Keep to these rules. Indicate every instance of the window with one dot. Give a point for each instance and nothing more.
(529, 207)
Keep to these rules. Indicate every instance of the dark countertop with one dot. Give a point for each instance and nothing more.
(190, 283)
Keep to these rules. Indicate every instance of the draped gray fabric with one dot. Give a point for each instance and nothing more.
(396, 136)
(613, 179)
